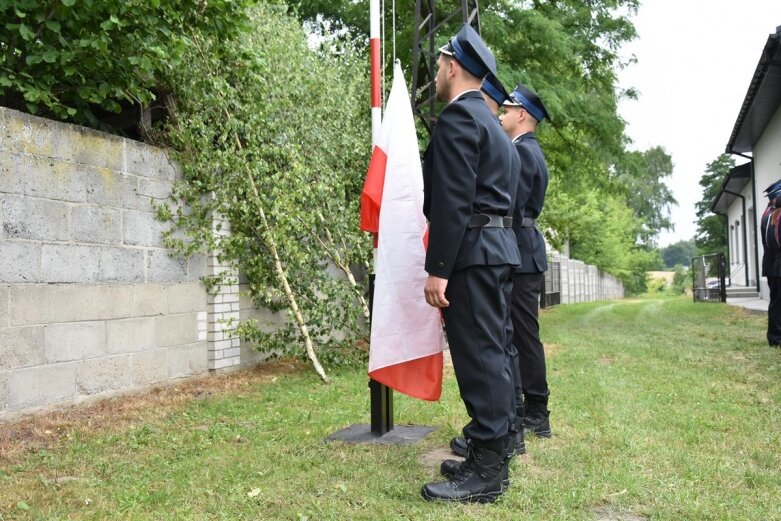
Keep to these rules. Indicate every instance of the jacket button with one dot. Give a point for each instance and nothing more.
(440, 264)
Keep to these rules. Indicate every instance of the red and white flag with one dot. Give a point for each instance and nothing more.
(406, 338)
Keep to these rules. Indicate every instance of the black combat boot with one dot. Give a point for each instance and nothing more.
(449, 466)
(537, 421)
(459, 446)
(480, 478)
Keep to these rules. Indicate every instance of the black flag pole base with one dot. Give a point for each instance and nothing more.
(381, 431)
(400, 435)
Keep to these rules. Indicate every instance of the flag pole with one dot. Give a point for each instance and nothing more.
(381, 396)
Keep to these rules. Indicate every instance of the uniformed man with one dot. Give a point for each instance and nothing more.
(532, 184)
(522, 114)
(469, 188)
(495, 95)
(771, 261)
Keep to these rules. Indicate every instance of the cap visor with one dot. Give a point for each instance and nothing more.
(445, 50)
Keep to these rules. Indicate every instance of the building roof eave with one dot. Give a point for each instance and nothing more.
(762, 98)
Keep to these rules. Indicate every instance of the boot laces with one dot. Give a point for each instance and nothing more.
(466, 468)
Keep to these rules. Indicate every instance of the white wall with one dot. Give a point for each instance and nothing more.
(767, 170)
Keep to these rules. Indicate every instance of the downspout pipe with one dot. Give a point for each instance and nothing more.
(745, 235)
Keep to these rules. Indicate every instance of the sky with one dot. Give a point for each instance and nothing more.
(695, 60)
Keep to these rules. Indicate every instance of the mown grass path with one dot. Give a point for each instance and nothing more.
(662, 409)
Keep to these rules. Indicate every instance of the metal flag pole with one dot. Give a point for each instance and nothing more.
(381, 396)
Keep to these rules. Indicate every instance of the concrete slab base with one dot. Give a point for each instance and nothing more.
(399, 435)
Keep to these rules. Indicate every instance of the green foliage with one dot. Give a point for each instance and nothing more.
(270, 136)
(681, 280)
(680, 252)
(711, 228)
(75, 60)
(642, 176)
(656, 286)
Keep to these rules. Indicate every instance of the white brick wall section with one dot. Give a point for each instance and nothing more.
(203, 325)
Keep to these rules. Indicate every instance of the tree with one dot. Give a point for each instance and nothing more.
(287, 178)
(711, 233)
(681, 280)
(81, 60)
(680, 252)
(642, 176)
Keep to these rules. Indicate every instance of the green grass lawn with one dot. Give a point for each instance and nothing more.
(661, 409)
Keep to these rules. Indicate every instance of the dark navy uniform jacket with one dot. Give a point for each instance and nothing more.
(534, 181)
(771, 253)
(470, 167)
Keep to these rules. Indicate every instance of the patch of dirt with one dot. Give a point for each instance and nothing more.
(434, 457)
(551, 349)
(47, 429)
(608, 514)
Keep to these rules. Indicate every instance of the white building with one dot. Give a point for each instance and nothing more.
(756, 136)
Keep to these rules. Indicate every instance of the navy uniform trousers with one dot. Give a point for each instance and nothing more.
(526, 336)
(528, 279)
(477, 333)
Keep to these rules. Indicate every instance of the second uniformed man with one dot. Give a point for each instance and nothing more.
(523, 113)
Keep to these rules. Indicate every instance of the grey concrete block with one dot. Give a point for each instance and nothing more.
(5, 310)
(169, 169)
(110, 188)
(162, 268)
(103, 374)
(11, 176)
(187, 360)
(171, 330)
(20, 133)
(52, 303)
(154, 188)
(3, 392)
(49, 178)
(189, 297)
(142, 229)
(96, 224)
(196, 266)
(36, 219)
(127, 336)
(121, 265)
(74, 341)
(251, 356)
(143, 160)
(19, 262)
(97, 148)
(69, 263)
(21, 347)
(41, 385)
(149, 367)
(149, 300)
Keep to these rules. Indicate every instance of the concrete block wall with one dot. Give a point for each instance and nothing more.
(582, 282)
(91, 302)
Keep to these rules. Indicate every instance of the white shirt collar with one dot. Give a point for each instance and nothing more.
(519, 135)
(461, 94)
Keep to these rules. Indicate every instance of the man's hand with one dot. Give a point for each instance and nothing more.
(435, 292)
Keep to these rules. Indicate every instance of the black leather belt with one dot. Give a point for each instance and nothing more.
(528, 222)
(484, 220)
